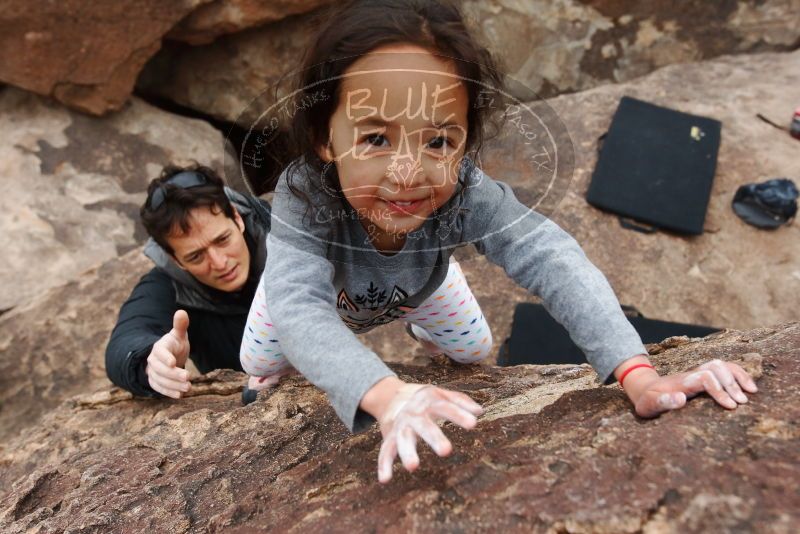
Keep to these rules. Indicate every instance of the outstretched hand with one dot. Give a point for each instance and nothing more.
(415, 411)
(724, 381)
(166, 362)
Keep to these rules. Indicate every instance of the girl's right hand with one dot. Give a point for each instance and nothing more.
(416, 411)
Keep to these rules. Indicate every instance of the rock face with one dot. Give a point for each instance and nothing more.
(554, 453)
(88, 55)
(84, 54)
(221, 17)
(73, 185)
(53, 347)
(550, 46)
(232, 78)
(573, 45)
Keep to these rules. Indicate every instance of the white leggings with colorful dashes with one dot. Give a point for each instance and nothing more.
(450, 318)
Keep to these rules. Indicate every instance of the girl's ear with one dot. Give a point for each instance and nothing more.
(325, 151)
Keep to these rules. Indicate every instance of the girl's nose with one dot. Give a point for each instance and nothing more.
(405, 171)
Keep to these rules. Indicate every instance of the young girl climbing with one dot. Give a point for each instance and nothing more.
(365, 222)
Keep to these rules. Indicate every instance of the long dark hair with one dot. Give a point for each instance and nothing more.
(353, 29)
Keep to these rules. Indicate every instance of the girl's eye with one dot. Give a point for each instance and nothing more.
(437, 142)
(375, 139)
(441, 143)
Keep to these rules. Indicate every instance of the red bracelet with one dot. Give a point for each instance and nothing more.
(628, 370)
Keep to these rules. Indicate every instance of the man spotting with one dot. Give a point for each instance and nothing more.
(208, 244)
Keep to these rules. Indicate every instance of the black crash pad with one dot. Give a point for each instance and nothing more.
(656, 166)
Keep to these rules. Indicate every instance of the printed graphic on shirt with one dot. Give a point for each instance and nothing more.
(374, 300)
(343, 302)
(373, 297)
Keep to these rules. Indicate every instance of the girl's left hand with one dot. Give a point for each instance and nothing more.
(724, 381)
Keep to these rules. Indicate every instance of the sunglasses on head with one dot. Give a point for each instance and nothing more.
(183, 180)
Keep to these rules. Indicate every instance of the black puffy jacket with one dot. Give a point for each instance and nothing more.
(216, 318)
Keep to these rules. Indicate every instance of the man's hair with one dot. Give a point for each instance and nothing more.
(177, 202)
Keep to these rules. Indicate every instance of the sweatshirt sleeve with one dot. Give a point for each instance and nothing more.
(143, 319)
(298, 286)
(541, 257)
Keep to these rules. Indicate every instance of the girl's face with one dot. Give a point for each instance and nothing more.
(397, 138)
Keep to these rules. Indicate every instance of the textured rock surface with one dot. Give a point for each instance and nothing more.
(221, 17)
(73, 185)
(551, 46)
(53, 347)
(578, 44)
(84, 54)
(553, 453)
(233, 78)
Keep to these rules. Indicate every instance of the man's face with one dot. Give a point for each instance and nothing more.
(213, 250)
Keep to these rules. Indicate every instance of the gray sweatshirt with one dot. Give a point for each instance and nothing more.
(324, 281)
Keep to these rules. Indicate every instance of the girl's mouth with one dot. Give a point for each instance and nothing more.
(408, 207)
